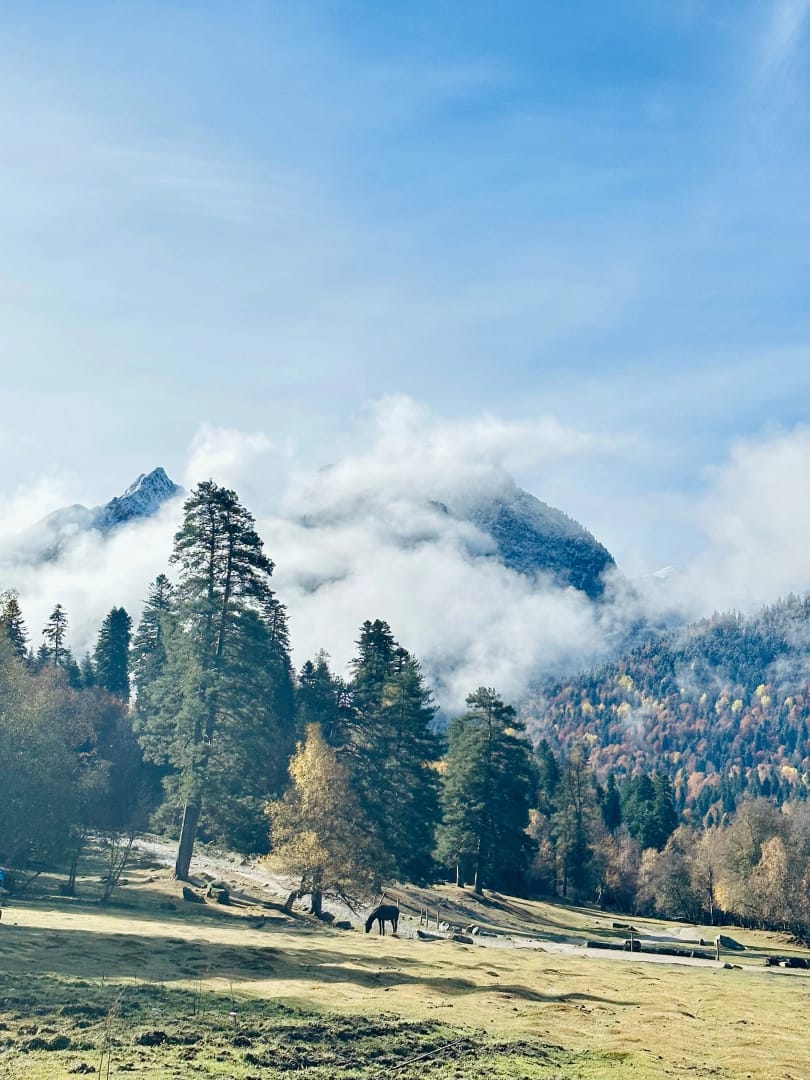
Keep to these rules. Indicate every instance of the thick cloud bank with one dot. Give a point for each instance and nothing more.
(380, 534)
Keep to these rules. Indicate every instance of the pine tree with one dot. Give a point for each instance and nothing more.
(574, 823)
(321, 698)
(148, 642)
(148, 663)
(488, 785)
(387, 740)
(111, 656)
(648, 809)
(55, 632)
(226, 678)
(548, 777)
(409, 810)
(88, 671)
(611, 805)
(12, 623)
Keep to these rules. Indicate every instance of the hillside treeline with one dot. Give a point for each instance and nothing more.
(623, 845)
(723, 708)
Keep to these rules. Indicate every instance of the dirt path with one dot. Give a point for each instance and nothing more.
(242, 872)
(239, 871)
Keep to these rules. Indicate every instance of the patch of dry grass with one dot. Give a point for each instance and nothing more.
(198, 973)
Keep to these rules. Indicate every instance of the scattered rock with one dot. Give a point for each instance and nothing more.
(191, 897)
(463, 939)
(58, 1042)
(151, 1038)
(726, 942)
(342, 924)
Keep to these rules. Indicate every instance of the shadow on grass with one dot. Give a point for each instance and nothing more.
(88, 954)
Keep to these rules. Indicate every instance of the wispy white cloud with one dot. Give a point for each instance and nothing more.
(784, 34)
(755, 520)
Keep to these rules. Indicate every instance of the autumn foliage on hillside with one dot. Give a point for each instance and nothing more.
(722, 707)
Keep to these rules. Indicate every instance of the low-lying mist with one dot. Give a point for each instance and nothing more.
(370, 536)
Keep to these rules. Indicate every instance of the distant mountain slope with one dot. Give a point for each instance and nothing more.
(532, 537)
(723, 707)
(145, 496)
(494, 521)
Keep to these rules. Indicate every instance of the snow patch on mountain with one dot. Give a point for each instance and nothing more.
(48, 538)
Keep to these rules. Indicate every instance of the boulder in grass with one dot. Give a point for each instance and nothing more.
(192, 897)
(727, 942)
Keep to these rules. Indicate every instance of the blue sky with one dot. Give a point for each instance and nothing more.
(268, 216)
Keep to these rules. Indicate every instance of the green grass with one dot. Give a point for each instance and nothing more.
(153, 1030)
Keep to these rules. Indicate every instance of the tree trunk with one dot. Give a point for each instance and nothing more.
(188, 831)
(478, 887)
(317, 903)
(459, 878)
(74, 866)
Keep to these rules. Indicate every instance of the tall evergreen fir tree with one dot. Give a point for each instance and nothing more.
(321, 698)
(610, 805)
(12, 624)
(488, 786)
(391, 751)
(221, 710)
(409, 813)
(148, 657)
(574, 823)
(55, 633)
(111, 654)
(648, 809)
(88, 671)
(373, 665)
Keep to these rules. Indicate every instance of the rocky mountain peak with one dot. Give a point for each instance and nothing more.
(142, 498)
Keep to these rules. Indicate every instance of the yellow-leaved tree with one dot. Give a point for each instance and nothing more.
(318, 833)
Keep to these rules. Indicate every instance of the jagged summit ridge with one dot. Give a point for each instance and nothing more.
(142, 498)
(48, 538)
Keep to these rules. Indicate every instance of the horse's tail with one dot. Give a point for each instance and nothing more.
(370, 920)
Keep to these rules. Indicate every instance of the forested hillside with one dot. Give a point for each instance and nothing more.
(722, 707)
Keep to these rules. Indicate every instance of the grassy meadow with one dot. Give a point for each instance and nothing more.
(153, 987)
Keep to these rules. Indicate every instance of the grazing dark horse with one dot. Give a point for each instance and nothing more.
(383, 913)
